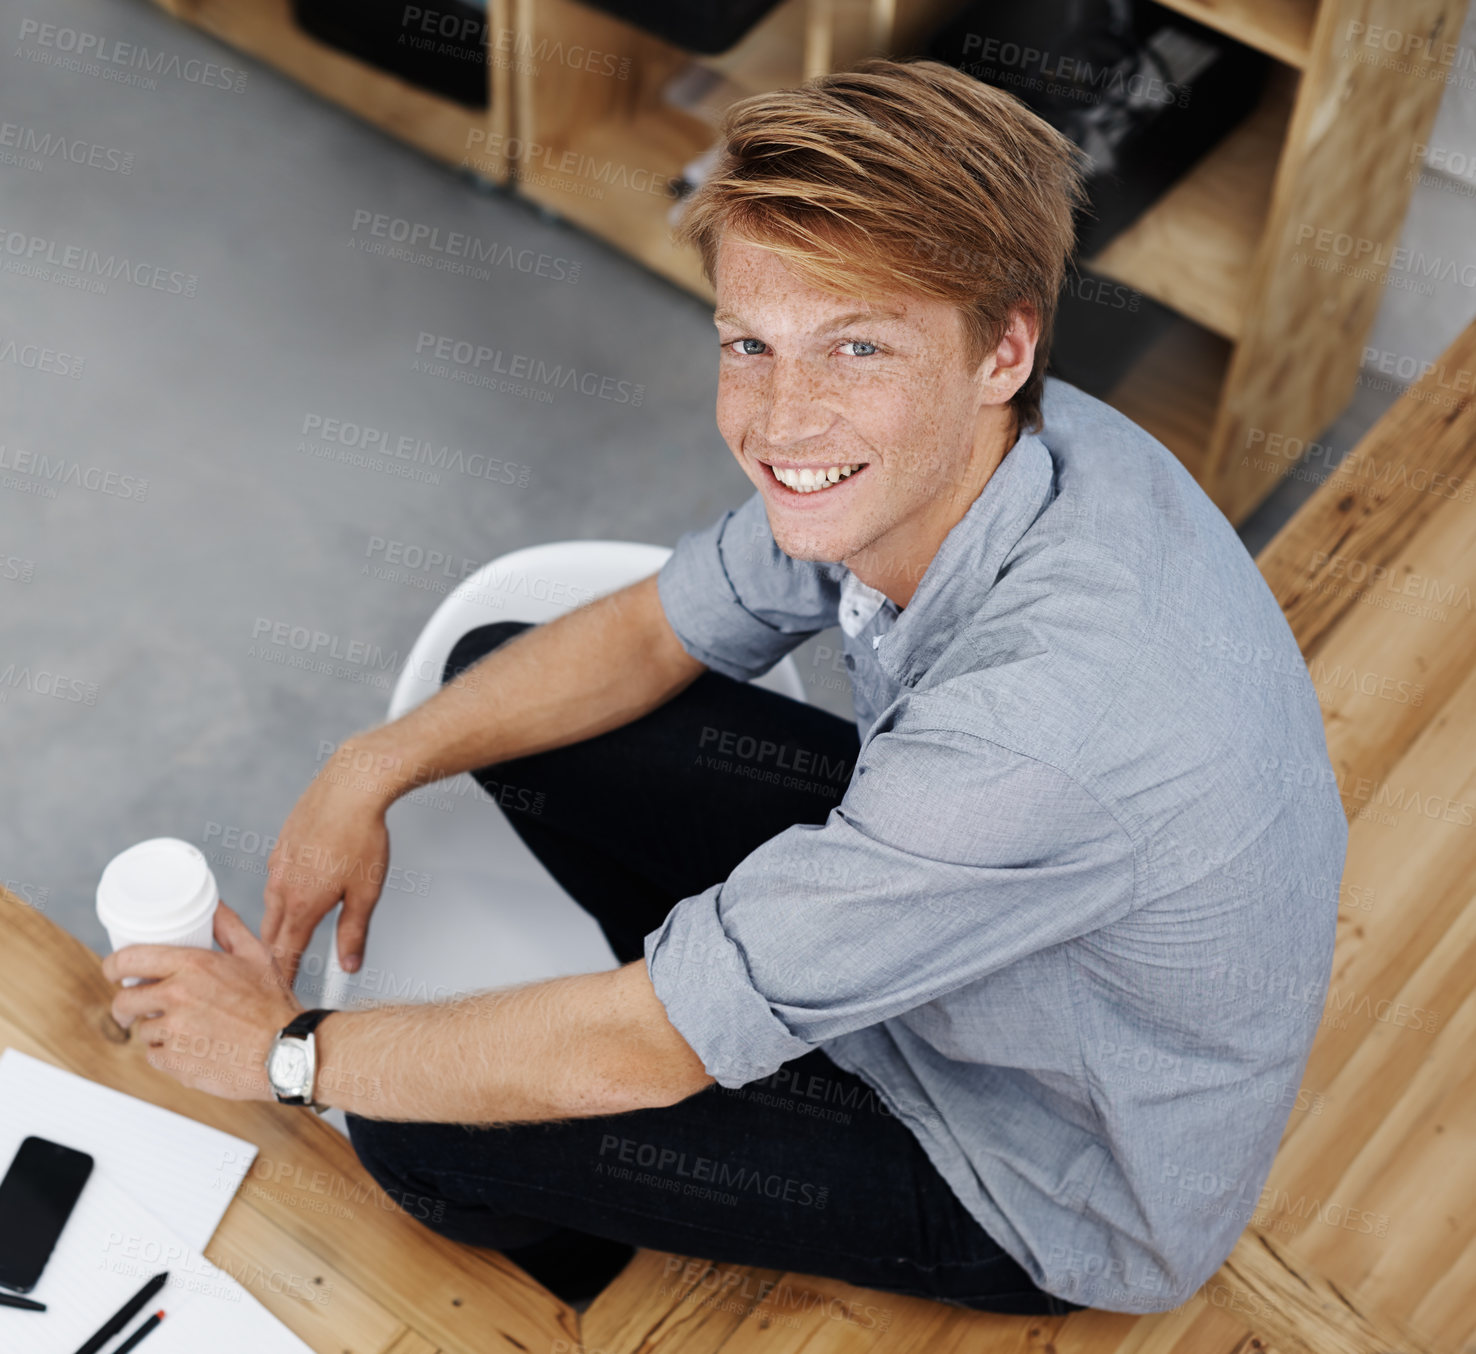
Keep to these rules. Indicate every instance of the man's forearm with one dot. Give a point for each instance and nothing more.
(564, 1048)
(599, 667)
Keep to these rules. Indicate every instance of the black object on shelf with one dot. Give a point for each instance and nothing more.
(1144, 91)
(1102, 328)
(704, 26)
(440, 47)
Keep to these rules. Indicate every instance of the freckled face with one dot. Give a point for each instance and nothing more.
(851, 415)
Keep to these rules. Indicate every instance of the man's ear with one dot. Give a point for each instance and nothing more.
(1008, 367)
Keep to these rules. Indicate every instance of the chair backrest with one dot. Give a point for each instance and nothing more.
(538, 584)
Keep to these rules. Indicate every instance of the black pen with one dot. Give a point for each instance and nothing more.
(124, 1315)
(140, 1332)
(26, 1304)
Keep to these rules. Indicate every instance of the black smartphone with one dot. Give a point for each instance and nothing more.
(36, 1199)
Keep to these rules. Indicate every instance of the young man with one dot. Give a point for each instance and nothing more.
(1009, 987)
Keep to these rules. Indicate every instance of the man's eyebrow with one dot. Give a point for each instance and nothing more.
(728, 317)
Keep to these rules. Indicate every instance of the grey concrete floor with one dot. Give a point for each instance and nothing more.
(158, 602)
(145, 698)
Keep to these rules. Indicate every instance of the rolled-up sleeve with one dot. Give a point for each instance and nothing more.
(948, 858)
(736, 601)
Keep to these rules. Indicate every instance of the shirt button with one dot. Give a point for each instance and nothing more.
(850, 662)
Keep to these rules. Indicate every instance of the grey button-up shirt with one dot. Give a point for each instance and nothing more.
(1073, 918)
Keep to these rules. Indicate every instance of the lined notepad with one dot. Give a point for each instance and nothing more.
(159, 1187)
(186, 1172)
(110, 1247)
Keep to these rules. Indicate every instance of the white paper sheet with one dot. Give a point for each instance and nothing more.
(109, 1248)
(187, 1173)
(160, 1184)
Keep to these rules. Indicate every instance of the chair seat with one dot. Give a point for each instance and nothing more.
(467, 906)
(538, 584)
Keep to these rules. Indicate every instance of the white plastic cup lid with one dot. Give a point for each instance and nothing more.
(160, 886)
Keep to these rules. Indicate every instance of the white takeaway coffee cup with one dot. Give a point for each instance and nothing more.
(158, 892)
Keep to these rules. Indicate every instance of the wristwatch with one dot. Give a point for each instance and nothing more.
(292, 1061)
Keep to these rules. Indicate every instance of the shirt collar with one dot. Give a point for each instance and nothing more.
(969, 560)
(859, 602)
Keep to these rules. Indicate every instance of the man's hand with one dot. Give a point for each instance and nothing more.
(209, 1018)
(334, 845)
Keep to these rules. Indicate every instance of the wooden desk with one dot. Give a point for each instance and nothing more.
(307, 1209)
(1376, 575)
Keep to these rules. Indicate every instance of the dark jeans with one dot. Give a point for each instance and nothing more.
(805, 1170)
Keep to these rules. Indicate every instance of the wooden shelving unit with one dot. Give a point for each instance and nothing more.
(1271, 330)
(1270, 338)
(1280, 28)
(1174, 388)
(634, 124)
(440, 127)
(1194, 247)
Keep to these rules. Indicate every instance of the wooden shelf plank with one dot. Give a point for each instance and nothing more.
(626, 210)
(801, 38)
(1173, 391)
(771, 55)
(438, 126)
(1194, 247)
(1280, 28)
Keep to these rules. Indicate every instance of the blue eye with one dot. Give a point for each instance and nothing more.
(740, 350)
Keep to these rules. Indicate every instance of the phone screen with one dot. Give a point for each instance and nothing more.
(36, 1199)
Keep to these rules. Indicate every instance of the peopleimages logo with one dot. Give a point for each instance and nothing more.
(453, 250)
(72, 47)
(360, 444)
(42, 473)
(682, 1166)
(78, 266)
(463, 361)
(38, 357)
(32, 148)
(322, 643)
(44, 682)
(1361, 256)
(1004, 62)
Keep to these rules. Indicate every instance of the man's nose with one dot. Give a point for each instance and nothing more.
(797, 404)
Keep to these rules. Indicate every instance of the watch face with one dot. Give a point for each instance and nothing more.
(288, 1067)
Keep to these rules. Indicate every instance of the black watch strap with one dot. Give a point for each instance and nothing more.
(304, 1024)
(300, 1027)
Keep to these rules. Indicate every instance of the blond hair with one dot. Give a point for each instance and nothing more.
(908, 175)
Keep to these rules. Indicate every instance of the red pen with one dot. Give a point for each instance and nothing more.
(140, 1332)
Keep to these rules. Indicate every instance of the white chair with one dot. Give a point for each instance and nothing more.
(489, 914)
(538, 584)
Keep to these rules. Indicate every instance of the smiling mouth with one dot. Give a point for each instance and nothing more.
(811, 479)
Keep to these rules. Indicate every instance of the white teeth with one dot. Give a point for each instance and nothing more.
(808, 479)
